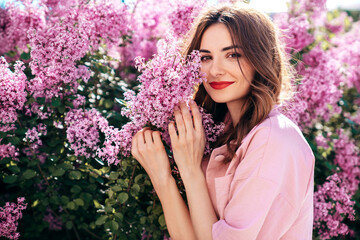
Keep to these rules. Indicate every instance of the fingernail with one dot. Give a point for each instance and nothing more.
(192, 101)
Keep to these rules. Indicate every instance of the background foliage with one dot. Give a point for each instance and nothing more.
(60, 113)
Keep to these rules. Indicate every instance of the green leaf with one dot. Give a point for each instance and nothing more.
(114, 226)
(58, 172)
(30, 101)
(161, 220)
(101, 220)
(10, 179)
(97, 204)
(123, 197)
(71, 205)
(134, 191)
(79, 202)
(75, 189)
(14, 169)
(56, 102)
(116, 188)
(113, 175)
(29, 173)
(138, 177)
(25, 56)
(14, 140)
(108, 209)
(61, 109)
(119, 216)
(87, 197)
(75, 175)
(68, 225)
(64, 199)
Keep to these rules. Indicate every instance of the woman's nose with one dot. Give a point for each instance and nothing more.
(216, 68)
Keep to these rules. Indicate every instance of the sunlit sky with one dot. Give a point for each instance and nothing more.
(280, 5)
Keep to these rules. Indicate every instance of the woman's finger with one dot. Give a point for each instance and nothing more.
(179, 122)
(188, 122)
(196, 116)
(157, 138)
(134, 147)
(172, 132)
(148, 137)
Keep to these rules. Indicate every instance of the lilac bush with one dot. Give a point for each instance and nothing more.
(9, 215)
(79, 78)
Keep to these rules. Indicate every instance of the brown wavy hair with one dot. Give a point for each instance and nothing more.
(258, 37)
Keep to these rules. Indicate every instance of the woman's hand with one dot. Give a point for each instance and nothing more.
(149, 151)
(189, 143)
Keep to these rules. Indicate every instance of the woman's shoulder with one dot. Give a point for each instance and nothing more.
(276, 129)
(272, 148)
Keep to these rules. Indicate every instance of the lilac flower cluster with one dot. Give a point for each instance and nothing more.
(16, 21)
(54, 52)
(33, 138)
(9, 215)
(332, 205)
(147, 24)
(347, 157)
(12, 91)
(83, 131)
(165, 81)
(317, 95)
(295, 30)
(8, 151)
(182, 16)
(107, 21)
(347, 50)
(55, 222)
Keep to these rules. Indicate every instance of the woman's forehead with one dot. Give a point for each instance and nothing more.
(217, 36)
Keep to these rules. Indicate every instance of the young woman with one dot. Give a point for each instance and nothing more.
(258, 181)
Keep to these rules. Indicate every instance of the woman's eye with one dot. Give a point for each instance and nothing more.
(235, 55)
(205, 58)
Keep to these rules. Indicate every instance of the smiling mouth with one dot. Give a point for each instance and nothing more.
(220, 85)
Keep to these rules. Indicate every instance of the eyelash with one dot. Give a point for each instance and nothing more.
(231, 55)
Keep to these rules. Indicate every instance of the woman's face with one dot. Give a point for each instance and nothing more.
(226, 83)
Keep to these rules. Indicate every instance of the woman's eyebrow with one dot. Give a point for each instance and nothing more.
(223, 50)
(204, 50)
(230, 47)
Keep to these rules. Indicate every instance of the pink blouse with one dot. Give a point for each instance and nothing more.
(266, 191)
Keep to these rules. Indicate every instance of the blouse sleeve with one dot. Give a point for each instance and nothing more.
(255, 200)
(268, 188)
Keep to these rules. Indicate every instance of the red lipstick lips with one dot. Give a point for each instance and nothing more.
(220, 85)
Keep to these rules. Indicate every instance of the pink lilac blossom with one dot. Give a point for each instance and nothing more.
(54, 52)
(12, 91)
(82, 131)
(107, 21)
(9, 215)
(147, 26)
(35, 108)
(295, 30)
(15, 21)
(319, 91)
(8, 151)
(347, 50)
(33, 137)
(55, 222)
(332, 205)
(337, 25)
(78, 101)
(165, 80)
(183, 15)
(347, 157)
